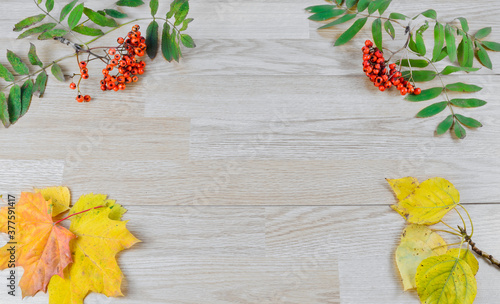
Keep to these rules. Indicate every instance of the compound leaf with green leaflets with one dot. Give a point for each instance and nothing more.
(33, 57)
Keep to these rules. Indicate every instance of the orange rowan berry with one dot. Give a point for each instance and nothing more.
(120, 40)
(115, 88)
(79, 98)
(87, 98)
(417, 91)
(381, 88)
(83, 64)
(72, 85)
(368, 43)
(135, 79)
(103, 87)
(85, 76)
(121, 86)
(112, 51)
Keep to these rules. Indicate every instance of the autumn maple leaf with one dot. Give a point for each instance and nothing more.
(100, 236)
(42, 247)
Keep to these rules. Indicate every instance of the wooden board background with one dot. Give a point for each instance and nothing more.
(253, 171)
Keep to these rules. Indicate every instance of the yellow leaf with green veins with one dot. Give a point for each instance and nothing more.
(430, 201)
(467, 256)
(418, 242)
(445, 279)
(402, 187)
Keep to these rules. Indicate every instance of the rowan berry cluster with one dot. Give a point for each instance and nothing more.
(383, 76)
(121, 59)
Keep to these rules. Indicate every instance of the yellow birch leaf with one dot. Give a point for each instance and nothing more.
(467, 256)
(418, 242)
(445, 279)
(430, 201)
(60, 197)
(402, 187)
(100, 236)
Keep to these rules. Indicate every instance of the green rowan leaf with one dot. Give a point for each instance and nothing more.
(374, 6)
(4, 110)
(26, 96)
(463, 87)
(130, 3)
(377, 32)
(52, 33)
(87, 31)
(99, 19)
(483, 33)
(153, 5)
(27, 22)
(420, 44)
(430, 14)
(483, 57)
(383, 7)
(459, 130)
(152, 39)
(14, 102)
(350, 3)
(445, 125)
(420, 76)
(450, 43)
(319, 8)
(453, 69)
(389, 29)
(17, 64)
(325, 15)
(363, 4)
(6, 74)
(432, 110)
(36, 30)
(397, 16)
(351, 32)
(115, 14)
(57, 72)
(181, 14)
(468, 121)
(468, 102)
(49, 5)
(415, 63)
(438, 40)
(340, 20)
(40, 83)
(33, 57)
(75, 15)
(464, 23)
(187, 41)
(494, 46)
(66, 9)
(425, 95)
(465, 51)
(165, 44)
(185, 24)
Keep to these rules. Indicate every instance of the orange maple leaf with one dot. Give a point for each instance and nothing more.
(42, 247)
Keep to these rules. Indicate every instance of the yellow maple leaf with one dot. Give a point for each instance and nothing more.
(100, 236)
(60, 197)
(418, 242)
(41, 247)
(429, 201)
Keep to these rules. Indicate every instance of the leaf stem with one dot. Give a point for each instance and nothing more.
(76, 214)
(458, 231)
(478, 251)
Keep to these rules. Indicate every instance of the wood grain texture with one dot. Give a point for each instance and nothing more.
(253, 171)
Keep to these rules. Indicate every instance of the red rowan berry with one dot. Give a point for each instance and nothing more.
(112, 51)
(368, 43)
(404, 91)
(79, 98)
(83, 64)
(72, 85)
(87, 98)
(120, 40)
(103, 87)
(85, 76)
(417, 91)
(392, 66)
(381, 88)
